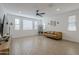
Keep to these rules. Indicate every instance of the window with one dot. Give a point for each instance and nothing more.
(27, 25)
(17, 24)
(43, 25)
(72, 23)
(35, 25)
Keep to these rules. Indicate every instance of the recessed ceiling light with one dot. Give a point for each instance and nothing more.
(58, 9)
(20, 12)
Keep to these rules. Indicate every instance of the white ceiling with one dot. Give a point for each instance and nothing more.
(29, 9)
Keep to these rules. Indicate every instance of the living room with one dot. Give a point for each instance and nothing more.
(32, 27)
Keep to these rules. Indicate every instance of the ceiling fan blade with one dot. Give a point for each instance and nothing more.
(38, 15)
(42, 13)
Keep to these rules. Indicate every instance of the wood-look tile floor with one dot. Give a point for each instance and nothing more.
(40, 45)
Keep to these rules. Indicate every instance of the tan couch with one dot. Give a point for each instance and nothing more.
(54, 35)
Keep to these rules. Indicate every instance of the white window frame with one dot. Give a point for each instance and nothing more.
(72, 23)
(27, 27)
(35, 25)
(17, 23)
(44, 25)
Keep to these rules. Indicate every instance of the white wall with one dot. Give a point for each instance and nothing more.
(21, 32)
(1, 18)
(63, 25)
(1, 12)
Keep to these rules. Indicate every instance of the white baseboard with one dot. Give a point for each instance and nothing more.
(71, 41)
(23, 37)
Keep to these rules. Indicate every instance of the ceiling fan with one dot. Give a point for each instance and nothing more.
(39, 14)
